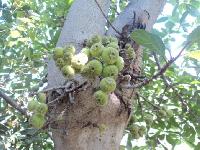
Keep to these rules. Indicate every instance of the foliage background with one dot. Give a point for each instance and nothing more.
(30, 29)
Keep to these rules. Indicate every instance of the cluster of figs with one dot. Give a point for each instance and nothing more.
(99, 58)
(38, 109)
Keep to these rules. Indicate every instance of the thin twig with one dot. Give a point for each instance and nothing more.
(157, 107)
(13, 103)
(107, 18)
(159, 67)
(66, 91)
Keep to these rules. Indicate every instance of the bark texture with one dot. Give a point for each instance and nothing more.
(83, 125)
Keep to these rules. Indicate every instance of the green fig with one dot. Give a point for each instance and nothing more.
(37, 120)
(107, 84)
(96, 50)
(105, 40)
(32, 105)
(86, 51)
(92, 69)
(120, 63)
(67, 58)
(69, 49)
(162, 113)
(42, 97)
(134, 131)
(148, 119)
(42, 109)
(58, 52)
(110, 55)
(60, 62)
(94, 39)
(101, 98)
(128, 45)
(169, 113)
(68, 71)
(142, 130)
(113, 45)
(130, 53)
(113, 39)
(110, 71)
(133, 119)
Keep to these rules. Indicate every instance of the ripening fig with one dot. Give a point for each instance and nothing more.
(42, 97)
(130, 53)
(128, 45)
(37, 120)
(134, 131)
(120, 63)
(32, 105)
(148, 119)
(101, 98)
(86, 51)
(102, 128)
(58, 52)
(92, 69)
(67, 58)
(68, 71)
(162, 113)
(113, 45)
(105, 40)
(94, 39)
(142, 130)
(60, 62)
(107, 84)
(69, 49)
(113, 39)
(96, 50)
(136, 136)
(133, 119)
(79, 60)
(169, 113)
(110, 55)
(110, 71)
(42, 108)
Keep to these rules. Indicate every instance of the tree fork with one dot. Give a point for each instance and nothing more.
(83, 125)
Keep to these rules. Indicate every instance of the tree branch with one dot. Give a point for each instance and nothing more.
(107, 18)
(157, 107)
(159, 67)
(13, 103)
(160, 72)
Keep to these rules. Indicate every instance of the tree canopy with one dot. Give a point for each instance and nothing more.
(167, 104)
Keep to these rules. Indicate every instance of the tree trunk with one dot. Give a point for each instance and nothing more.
(83, 125)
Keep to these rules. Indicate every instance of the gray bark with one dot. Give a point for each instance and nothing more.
(81, 123)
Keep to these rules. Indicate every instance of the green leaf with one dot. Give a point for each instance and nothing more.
(173, 139)
(3, 127)
(197, 147)
(194, 54)
(148, 40)
(194, 36)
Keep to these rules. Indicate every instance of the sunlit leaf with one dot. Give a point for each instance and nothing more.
(15, 34)
(194, 54)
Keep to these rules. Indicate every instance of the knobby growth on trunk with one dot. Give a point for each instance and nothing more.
(85, 125)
